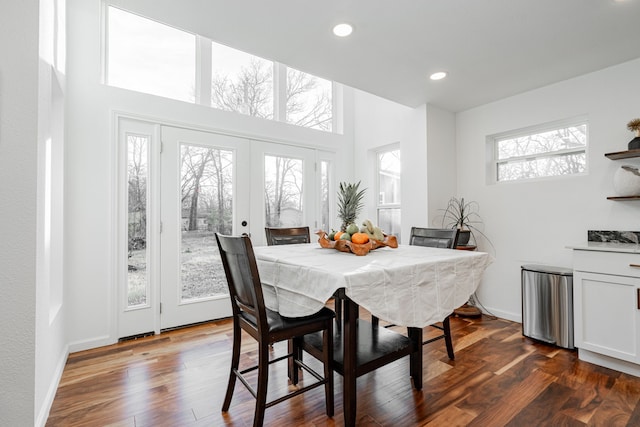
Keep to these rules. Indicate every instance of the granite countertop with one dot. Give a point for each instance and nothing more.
(630, 248)
(610, 241)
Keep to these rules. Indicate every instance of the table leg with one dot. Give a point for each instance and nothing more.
(415, 359)
(350, 346)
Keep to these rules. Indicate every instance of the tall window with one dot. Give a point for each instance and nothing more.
(147, 56)
(551, 150)
(388, 171)
(325, 194)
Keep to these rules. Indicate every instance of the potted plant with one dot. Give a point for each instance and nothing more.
(634, 126)
(464, 216)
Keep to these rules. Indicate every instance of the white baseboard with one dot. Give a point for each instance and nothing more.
(514, 317)
(91, 343)
(43, 414)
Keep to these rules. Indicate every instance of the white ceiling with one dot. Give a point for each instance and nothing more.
(491, 49)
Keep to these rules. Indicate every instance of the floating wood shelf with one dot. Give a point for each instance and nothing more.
(623, 154)
(628, 154)
(623, 198)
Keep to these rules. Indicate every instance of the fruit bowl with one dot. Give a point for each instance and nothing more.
(359, 249)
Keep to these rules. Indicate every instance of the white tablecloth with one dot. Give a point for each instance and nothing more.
(409, 286)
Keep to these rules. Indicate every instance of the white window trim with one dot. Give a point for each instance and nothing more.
(494, 162)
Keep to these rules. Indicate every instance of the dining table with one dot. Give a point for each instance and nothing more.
(412, 286)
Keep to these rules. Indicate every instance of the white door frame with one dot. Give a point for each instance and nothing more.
(144, 319)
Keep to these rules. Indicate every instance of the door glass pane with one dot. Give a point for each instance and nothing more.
(207, 196)
(325, 179)
(137, 177)
(283, 191)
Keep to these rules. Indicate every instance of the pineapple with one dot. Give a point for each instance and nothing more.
(349, 203)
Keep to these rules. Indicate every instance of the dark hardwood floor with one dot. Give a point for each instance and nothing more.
(499, 378)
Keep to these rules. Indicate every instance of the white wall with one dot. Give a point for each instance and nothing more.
(441, 161)
(533, 222)
(51, 339)
(90, 167)
(33, 345)
(18, 210)
(427, 142)
(378, 123)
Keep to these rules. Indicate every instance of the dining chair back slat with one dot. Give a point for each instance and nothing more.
(287, 235)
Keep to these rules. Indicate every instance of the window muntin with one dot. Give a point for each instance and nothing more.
(388, 167)
(150, 57)
(545, 152)
(241, 82)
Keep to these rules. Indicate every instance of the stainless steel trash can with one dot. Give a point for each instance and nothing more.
(547, 304)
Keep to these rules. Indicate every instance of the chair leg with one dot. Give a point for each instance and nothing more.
(263, 379)
(338, 308)
(294, 347)
(327, 345)
(447, 337)
(375, 321)
(235, 360)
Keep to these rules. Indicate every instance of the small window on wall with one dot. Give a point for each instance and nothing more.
(388, 190)
(546, 151)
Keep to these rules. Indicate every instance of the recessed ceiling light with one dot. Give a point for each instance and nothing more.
(438, 76)
(342, 30)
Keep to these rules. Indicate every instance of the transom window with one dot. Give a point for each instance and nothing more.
(147, 56)
(545, 151)
(150, 57)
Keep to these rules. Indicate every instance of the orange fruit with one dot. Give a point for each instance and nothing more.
(337, 235)
(359, 238)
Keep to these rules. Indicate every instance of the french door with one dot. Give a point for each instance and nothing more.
(204, 189)
(195, 184)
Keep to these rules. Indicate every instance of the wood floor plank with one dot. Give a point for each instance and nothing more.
(498, 378)
(542, 410)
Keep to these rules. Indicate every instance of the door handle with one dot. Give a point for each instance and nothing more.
(634, 265)
(638, 298)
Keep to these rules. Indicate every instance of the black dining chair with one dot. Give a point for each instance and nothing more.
(434, 237)
(287, 235)
(446, 238)
(267, 327)
(437, 238)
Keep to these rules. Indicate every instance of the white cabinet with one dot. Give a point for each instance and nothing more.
(606, 296)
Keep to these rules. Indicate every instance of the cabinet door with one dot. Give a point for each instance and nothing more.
(606, 314)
